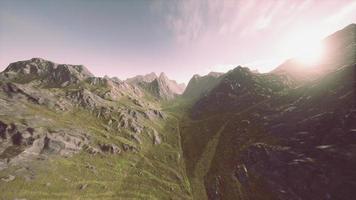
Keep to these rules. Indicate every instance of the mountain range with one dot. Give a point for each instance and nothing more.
(285, 135)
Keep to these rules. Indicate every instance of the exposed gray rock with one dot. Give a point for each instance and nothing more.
(137, 138)
(91, 167)
(241, 174)
(110, 148)
(137, 102)
(8, 178)
(20, 143)
(91, 150)
(46, 72)
(85, 98)
(160, 87)
(127, 147)
(145, 78)
(83, 186)
(63, 143)
(156, 137)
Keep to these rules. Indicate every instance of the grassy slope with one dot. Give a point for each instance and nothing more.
(203, 165)
(200, 137)
(230, 144)
(210, 147)
(156, 172)
(198, 149)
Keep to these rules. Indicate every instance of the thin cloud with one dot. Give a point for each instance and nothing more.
(180, 37)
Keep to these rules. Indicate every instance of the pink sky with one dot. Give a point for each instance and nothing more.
(181, 38)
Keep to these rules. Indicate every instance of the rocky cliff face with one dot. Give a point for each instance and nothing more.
(62, 128)
(165, 88)
(76, 89)
(142, 78)
(238, 135)
(45, 72)
(160, 87)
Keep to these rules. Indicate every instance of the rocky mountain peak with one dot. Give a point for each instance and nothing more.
(161, 87)
(239, 83)
(196, 76)
(215, 74)
(238, 74)
(116, 79)
(151, 75)
(167, 88)
(200, 85)
(38, 60)
(142, 78)
(163, 76)
(47, 72)
(240, 68)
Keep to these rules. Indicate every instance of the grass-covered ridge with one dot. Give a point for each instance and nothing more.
(154, 172)
(149, 164)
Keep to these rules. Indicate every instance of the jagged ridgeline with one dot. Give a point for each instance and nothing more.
(285, 135)
(65, 134)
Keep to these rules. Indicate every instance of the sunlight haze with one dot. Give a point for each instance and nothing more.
(181, 38)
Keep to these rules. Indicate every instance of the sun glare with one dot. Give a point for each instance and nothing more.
(303, 44)
(311, 54)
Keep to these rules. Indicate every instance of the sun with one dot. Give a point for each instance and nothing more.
(311, 54)
(303, 44)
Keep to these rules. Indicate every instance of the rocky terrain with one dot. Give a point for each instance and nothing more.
(277, 136)
(161, 87)
(285, 135)
(65, 133)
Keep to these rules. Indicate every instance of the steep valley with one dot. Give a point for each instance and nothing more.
(66, 134)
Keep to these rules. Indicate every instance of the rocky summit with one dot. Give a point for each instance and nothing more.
(67, 134)
(160, 86)
(283, 135)
(201, 85)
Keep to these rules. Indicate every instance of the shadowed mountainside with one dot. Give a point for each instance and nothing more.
(201, 85)
(273, 136)
(284, 135)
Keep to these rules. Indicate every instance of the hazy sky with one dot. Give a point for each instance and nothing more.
(129, 37)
